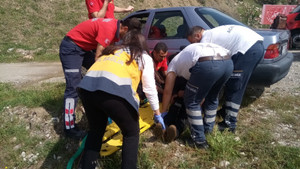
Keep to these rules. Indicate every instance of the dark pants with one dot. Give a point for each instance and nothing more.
(207, 79)
(99, 106)
(237, 83)
(176, 115)
(72, 58)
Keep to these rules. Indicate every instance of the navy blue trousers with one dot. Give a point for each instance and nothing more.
(72, 58)
(235, 87)
(207, 79)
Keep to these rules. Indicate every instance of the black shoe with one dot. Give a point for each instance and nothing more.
(75, 133)
(202, 145)
(222, 126)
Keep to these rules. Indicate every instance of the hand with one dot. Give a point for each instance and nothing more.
(129, 8)
(159, 119)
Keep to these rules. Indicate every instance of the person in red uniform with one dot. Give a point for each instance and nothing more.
(159, 56)
(104, 8)
(77, 50)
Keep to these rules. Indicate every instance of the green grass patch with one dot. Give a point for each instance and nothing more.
(254, 145)
(49, 96)
(32, 25)
(24, 142)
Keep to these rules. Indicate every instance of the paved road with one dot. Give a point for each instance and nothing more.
(20, 73)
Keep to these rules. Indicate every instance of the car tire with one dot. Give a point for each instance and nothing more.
(295, 40)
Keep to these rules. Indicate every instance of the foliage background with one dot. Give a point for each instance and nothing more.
(31, 30)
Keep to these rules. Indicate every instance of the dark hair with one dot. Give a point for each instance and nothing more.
(136, 43)
(132, 23)
(161, 46)
(193, 30)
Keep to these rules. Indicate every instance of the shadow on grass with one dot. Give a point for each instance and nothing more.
(251, 95)
(64, 148)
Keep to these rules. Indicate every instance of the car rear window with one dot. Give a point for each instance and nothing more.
(215, 18)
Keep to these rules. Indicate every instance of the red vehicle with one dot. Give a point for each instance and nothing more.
(293, 24)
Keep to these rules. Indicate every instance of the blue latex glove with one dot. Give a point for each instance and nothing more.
(164, 114)
(159, 119)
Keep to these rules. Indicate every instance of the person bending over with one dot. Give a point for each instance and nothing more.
(108, 90)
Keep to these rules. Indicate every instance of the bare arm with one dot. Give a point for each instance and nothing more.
(102, 11)
(99, 50)
(120, 10)
(169, 85)
(164, 73)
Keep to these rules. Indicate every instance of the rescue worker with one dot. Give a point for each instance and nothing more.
(76, 50)
(104, 8)
(207, 67)
(246, 47)
(109, 90)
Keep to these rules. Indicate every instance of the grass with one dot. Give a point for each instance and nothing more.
(18, 131)
(254, 145)
(32, 97)
(30, 25)
(37, 28)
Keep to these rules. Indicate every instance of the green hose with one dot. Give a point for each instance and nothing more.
(78, 152)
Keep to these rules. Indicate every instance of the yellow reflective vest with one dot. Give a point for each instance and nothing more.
(111, 74)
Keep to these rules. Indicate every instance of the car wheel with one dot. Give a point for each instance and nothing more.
(295, 40)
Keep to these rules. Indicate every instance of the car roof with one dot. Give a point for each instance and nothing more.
(171, 8)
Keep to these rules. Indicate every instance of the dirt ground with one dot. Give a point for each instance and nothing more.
(31, 72)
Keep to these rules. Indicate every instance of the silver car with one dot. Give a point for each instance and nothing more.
(170, 25)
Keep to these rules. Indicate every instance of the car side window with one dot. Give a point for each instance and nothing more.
(168, 25)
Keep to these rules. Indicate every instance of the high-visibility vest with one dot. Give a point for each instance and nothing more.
(111, 74)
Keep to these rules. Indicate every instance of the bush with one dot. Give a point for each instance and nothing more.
(250, 14)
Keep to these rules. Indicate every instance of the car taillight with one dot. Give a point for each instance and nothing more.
(272, 51)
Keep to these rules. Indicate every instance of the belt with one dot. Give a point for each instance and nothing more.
(68, 39)
(218, 57)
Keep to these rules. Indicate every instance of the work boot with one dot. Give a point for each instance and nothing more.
(222, 126)
(75, 133)
(158, 131)
(170, 134)
(202, 145)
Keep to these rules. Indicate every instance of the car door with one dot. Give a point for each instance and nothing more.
(168, 26)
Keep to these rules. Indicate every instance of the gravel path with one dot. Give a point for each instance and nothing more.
(30, 72)
(291, 83)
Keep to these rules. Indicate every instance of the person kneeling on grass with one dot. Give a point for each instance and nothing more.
(207, 67)
(109, 90)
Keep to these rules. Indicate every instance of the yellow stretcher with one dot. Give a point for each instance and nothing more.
(112, 140)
